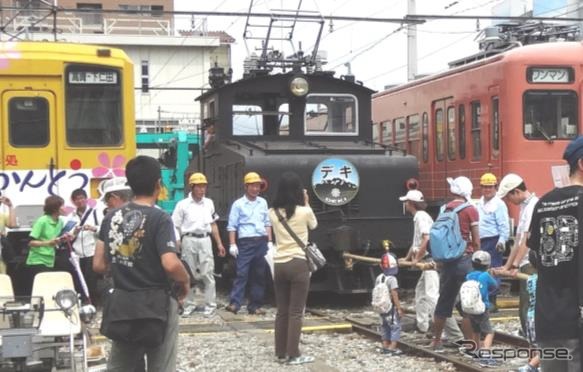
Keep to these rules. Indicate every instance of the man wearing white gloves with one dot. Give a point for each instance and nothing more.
(249, 237)
(195, 218)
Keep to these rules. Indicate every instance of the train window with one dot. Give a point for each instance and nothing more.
(451, 135)
(28, 119)
(376, 132)
(495, 127)
(247, 120)
(414, 134)
(439, 124)
(476, 131)
(331, 114)
(425, 136)
(387, 132)
(462, 130)
(550, 114)
(400, 133)
(93, 106)
(283, 119)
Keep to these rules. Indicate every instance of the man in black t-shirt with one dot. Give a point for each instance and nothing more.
(555, 238)
(137, 244)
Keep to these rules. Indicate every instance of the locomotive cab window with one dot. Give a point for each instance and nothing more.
(247, 120)
(28, 121)
(331, 115)
(93, 106)
(256, 120)
(550, 114)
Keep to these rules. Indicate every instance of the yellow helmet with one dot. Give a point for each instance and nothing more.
(252, 177)
(197, 179)
(488, 179)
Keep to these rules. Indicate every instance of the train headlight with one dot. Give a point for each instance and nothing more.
(299, 86)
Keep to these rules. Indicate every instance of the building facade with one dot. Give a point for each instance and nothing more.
(171, 55)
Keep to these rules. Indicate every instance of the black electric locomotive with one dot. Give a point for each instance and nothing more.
(318, 126)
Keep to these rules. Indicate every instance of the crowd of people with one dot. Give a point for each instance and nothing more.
(152, 256)
(545, 251)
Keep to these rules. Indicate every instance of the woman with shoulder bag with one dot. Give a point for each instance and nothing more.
(291, 272)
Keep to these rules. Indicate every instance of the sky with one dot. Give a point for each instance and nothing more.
(377, 53)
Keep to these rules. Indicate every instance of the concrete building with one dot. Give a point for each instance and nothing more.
(171, 64)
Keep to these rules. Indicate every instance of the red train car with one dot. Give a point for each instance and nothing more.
(512, 112)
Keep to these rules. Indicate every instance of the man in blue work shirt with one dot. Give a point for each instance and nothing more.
(494, 227)
(249, 237)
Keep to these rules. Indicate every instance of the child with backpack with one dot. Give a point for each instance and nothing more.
(474, 298)
(385, 300)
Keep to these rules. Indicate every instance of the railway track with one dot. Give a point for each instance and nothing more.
(416, 344)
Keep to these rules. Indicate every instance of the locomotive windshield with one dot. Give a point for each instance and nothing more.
(550, 114)
(93, 106)
(331, 114)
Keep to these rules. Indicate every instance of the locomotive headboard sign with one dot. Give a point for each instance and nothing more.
(335, 181)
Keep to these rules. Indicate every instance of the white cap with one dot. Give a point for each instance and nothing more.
(413, 195)
(461, 186)
(115, 184)
(481, 257)
(509, 183)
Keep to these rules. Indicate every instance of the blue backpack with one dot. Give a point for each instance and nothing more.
(445, 237)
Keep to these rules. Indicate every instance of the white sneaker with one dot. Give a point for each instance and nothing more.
(188, 310)
(209, 310)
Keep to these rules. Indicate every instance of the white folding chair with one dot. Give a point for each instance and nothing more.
(6, 294)
(6, 289)
(55, 322)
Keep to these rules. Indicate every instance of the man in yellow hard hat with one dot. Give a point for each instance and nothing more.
(494, 226)
(195, 219)
(249, 238)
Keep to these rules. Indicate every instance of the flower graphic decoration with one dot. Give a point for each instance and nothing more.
(110, 168)
(8, 51)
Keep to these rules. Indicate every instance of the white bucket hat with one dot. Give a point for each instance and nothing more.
(114, 184)
(461, 186)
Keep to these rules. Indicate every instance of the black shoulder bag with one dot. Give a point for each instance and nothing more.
(314, 256)
(136, 317)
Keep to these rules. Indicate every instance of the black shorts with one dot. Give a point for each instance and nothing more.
(481, 323)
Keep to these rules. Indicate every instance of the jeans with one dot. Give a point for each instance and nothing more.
(451, 277)
(126, 357)
(523, 298)
(489, 245)
(251, 267)
(292, 281)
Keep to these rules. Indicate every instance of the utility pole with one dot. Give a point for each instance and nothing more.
(411, 43)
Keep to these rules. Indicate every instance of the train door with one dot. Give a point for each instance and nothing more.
(440, 141)
(495, 140)
(28, 140)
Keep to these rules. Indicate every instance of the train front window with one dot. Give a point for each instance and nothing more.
(28, 119)
(550, 114)
(93, 106)
(331, 115)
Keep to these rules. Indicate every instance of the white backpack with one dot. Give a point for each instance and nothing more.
(471, 298)
(381, 296)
